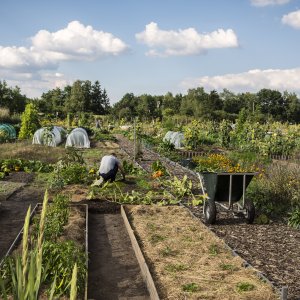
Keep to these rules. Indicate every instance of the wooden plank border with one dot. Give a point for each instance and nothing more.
(140, 257)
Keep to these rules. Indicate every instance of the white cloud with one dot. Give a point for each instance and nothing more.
(33, 85)
(251, 81)
(75, 42)
(25, 66)
(184, 42)
(292, 19)
(268, 2)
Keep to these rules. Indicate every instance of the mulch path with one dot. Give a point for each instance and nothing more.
(273, 249)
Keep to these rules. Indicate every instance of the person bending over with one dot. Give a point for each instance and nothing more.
(109, 167)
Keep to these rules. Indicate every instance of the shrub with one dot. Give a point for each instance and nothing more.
(277, 192)
(30, 122)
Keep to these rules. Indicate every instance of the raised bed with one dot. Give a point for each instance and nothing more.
(187, 261)
(17, 241)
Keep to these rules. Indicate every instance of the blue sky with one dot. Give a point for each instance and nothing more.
(152, 47)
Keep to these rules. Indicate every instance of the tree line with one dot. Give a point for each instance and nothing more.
(265, 105)
(80, 97)
(85, 96)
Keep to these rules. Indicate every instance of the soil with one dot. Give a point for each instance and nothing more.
(14, 208)
(272, 249)
(114, 272)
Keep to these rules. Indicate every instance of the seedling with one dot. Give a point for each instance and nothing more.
(213, 250)
(244, 287)
(174, 268)
(190, 287)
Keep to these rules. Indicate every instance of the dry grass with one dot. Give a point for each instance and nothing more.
(25, 150)
(74, 230)
(189, 262)
(7, 188)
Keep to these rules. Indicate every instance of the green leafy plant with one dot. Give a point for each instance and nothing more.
(30, 122)
(179, 187)
(244, 287)
(214, 250)
(190, 287)
(174, 268)
(294, 218)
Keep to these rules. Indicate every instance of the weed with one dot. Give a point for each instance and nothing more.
(213, 250)
(156, 238)
(168, 252)
(228, 267)
(244, 287)
(174, 268)
(190, 287)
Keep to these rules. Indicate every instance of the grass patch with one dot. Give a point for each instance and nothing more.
(156, 238)
(190, 287)
(27, 151)
(174, 268)
(244, 287)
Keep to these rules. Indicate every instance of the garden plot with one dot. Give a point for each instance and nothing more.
(13, 210)
(114, 272)
(8, 188)
(273, 249)
(188, 261)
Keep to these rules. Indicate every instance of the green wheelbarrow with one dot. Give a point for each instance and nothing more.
(226, 190)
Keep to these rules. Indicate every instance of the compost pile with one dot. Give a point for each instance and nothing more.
(273, 249)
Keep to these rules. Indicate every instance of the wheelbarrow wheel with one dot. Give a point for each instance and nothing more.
(250, 211)
(210, 212)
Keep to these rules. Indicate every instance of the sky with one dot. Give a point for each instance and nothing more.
(151, 47)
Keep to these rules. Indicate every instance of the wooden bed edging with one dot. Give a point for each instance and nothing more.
(140, 257)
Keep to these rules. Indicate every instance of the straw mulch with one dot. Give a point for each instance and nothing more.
(188, 261)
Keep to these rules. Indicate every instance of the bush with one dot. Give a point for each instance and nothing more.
(30, 122)
(277, 192)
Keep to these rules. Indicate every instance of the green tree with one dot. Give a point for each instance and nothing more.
(29, 122)
(292, 107)
(76, 102)
(12, 98)
(271, 103)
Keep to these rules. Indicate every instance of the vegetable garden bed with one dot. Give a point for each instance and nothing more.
(188, 261)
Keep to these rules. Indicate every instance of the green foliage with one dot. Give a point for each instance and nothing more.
(228, 267)
(30, 122)
(277, 191)
(130, 168)
(190, 287)
(158, 166)
(294, 218)
(179, 188)
(168, 252)
(103, 135)
(14, 164)
(57, 217)
(23, 276)
(213, 250)
(70, 169)
(62, 257)
(174, 268)
(244, 287)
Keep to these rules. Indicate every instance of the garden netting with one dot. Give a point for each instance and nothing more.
(50, 136)
(175, 137)
(78, 138)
